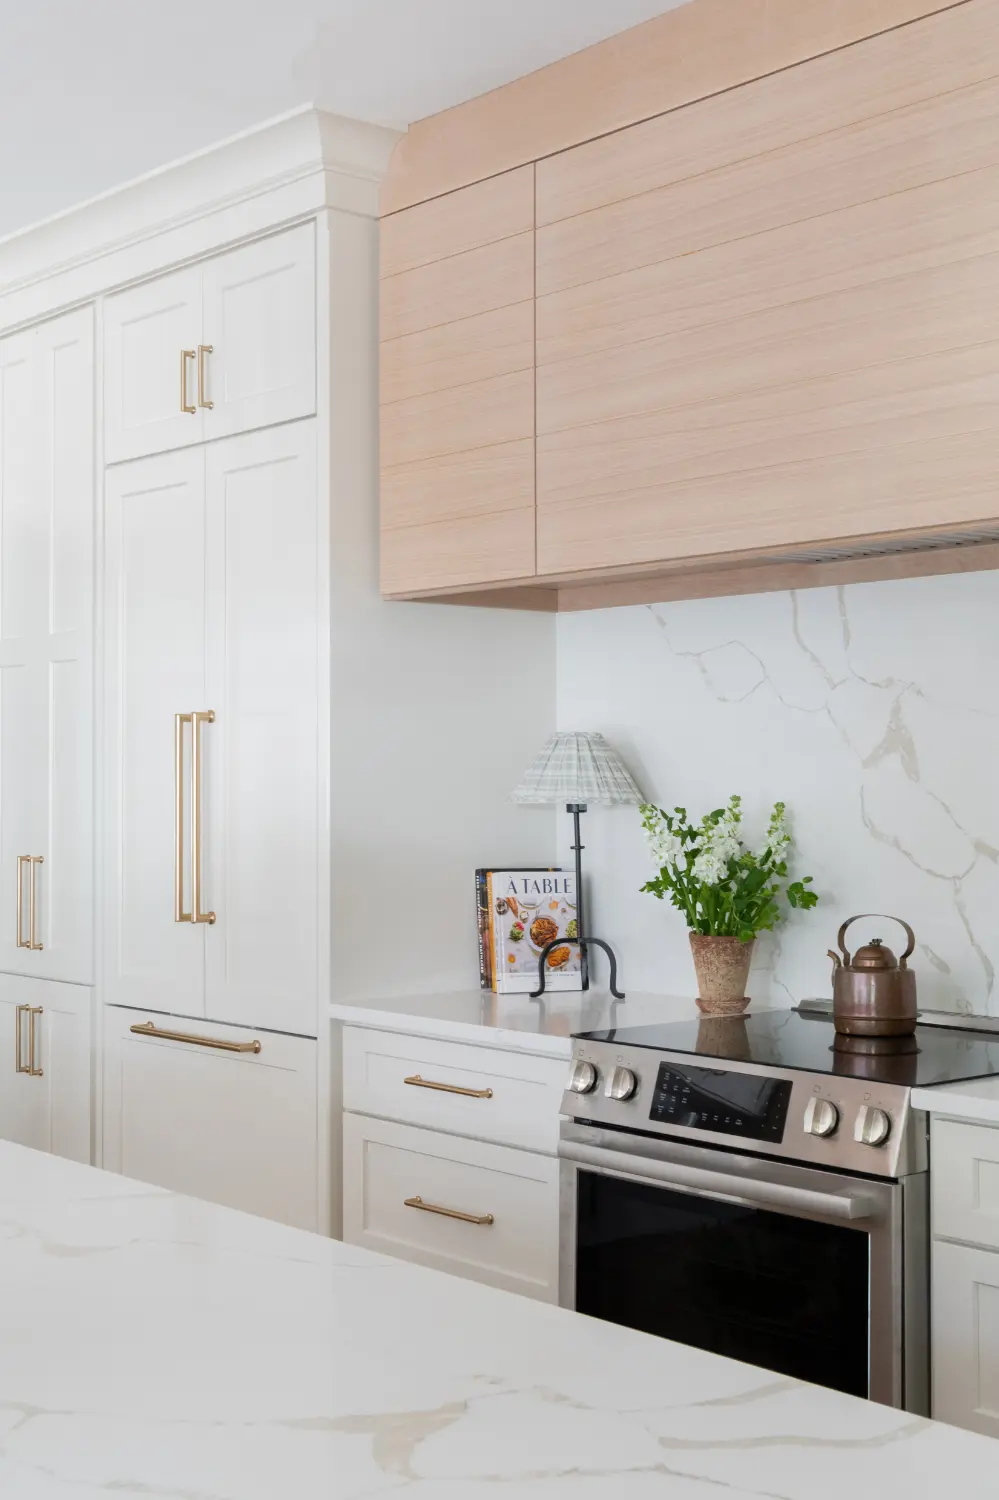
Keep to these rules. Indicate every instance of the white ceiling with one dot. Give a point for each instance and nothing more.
(93, 92)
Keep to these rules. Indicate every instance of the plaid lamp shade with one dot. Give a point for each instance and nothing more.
(578, 768)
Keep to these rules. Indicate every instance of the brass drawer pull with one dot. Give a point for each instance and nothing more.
(449, 1213)
(147, 1028)
(31, 941)
(185, 355)
(203, 349)
(31, 1011)
(448, 1088)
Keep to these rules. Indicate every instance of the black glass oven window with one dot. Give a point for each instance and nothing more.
(716, 1099)
(784, 1293)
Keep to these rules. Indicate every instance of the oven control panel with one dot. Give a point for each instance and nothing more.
(742, 1104)
(849, 1124)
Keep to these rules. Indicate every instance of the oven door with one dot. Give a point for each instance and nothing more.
(795, 1269)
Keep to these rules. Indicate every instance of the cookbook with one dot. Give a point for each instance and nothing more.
(527, 910)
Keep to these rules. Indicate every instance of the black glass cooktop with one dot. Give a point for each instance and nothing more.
(785, 1039)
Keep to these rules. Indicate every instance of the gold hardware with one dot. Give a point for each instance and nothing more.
(148, 1028)
(179, 914)
(197, 719)
(185, 355)
(33, 860)
(31, 1011)
(448, 1088)
(21, 858)
(449, 1213)
(203, 349)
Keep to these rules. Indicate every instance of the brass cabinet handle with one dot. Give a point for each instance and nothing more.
(197, 719)
(31, 860)
(203, 349)
(179, 914)
(448, 1088)
(185, 355)
(149, 1028)
(34, 860)
(31, 1011)
(449, 1213)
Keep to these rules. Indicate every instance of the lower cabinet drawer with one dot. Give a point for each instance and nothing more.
(964, 1182)
(486, 1212)
(184, 1110)
(965, 1337)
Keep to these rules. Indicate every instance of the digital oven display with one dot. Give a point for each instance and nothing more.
(729, 1103)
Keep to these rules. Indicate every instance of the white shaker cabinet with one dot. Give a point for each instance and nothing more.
(219, 348)
(221, 1112)
(213, 609)
(45, 1065)
(46, 649)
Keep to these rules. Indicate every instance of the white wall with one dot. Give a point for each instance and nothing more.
(436, 711)
(873, 711)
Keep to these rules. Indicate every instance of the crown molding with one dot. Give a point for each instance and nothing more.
(286, 168)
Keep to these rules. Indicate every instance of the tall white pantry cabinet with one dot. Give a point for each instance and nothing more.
(185, 388)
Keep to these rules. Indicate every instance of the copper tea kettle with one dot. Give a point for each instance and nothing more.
(874, 994)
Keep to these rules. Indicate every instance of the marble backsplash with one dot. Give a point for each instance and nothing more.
(871, 710)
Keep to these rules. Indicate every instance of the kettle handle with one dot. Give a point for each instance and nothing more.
(885, 918)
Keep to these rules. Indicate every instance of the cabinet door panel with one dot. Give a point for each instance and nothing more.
(234, 1128)
(155, 655)
(48, 1108)
(261, 753)
(966, 1337)
(260, 321)
(145, 330)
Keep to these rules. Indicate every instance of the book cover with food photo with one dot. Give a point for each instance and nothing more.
(528, 909)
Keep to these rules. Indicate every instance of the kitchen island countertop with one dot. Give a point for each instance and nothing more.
(155, 1346)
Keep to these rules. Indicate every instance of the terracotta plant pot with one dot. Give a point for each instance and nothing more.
(722, 968)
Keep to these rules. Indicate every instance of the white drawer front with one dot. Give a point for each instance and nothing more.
(483, 1092)
(964, 1180)
(966, 1338)
(507, 1235)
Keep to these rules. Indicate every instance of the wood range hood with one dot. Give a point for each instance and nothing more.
(709, 308)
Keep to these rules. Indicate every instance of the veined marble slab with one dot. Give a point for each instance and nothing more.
(154, 1346)
(515, 1022)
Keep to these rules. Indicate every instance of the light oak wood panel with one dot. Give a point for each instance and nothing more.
(453, 354)
(888, 73)
(935, 142)
(493, 411)
(472, 216)
(458, 553)
(697, 50)
(949, 482)
(868, 410)
(462, 286)
(905, 318)
(479, 482)
(945, 222)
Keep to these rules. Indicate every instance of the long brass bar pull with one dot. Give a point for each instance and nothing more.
(18, 1039)
(185, 355)
(448, 1213)
(448, 1088)
(149, 1028)
(32, 1069)
(22, 860)
(34, 860)
(203, 349)
(197, 719)
(179, 720)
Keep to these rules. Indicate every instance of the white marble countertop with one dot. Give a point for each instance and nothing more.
(515, 1022)
(157, 1348)
(978, 1099)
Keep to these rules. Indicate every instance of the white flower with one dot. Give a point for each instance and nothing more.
(665, 847)
(778, 839)
(710, 867)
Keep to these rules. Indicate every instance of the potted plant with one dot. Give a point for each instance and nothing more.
(727, 893)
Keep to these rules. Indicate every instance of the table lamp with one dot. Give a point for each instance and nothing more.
(577, 769)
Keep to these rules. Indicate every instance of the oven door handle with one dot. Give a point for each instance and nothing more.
(725, 1185)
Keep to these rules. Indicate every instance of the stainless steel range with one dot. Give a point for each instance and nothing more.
(757, 1186)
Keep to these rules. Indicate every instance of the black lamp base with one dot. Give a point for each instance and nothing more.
(582, 940)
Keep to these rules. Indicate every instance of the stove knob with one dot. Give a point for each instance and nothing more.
(872, 1127)
(621, 1084)
(582, 1078)
(821, 1117)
